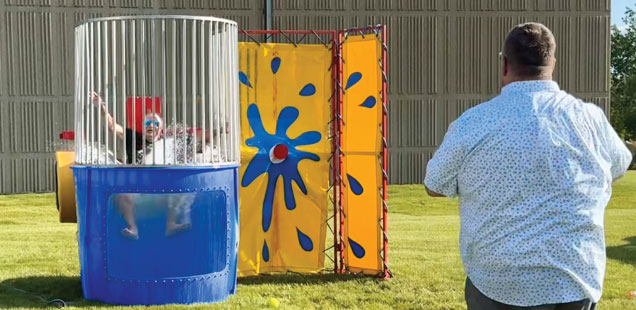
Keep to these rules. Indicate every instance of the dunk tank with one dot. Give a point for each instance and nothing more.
(177, 117)
(156, 158)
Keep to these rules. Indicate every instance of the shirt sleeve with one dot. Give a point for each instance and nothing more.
(619, 155)
(442, 170)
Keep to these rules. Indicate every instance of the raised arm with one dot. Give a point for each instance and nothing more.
(97, 100)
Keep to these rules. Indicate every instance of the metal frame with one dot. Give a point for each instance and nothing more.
(164, 17)
(153, 53)
(380, 32)
(336, 39)
(290, 37)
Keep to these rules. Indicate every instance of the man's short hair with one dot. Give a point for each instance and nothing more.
(529, 49)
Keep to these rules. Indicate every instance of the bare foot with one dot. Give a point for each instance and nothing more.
(130, 233)
(172, 229)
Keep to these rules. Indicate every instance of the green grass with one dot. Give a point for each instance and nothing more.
(39, 255)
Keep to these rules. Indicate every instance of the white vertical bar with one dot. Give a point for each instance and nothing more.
(210, 57)
(183, 87)
(89, 86)
(232, 96)
(106, 89)
(194, 86)
(99, 91)
(76, 96)
(230, 92)
(174, 91)
(114, 87)
(235, 103)
(87, 90)
(133, 81)
(153, 79)
(78, 91)
(225, 91)
(142, 69)
(163, 86)
(91, 119)
(202, 87)
(124, 57)
(217, 88)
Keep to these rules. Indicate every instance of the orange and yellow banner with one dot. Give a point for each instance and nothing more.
(284, 176)
(362, 174)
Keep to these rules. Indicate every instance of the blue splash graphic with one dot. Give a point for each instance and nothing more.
(355, 186)
(265, 252)
(308, 90)
(305, 241)
(369, 102)
(356, 248)
(353, 79)
(244, 80)
(275, 64)
(288, 168)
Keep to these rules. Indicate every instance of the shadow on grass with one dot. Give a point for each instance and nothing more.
(625, 253)
(303, 279)
(45, 292)
(42, 292)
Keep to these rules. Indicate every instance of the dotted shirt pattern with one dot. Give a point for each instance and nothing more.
(533, 170)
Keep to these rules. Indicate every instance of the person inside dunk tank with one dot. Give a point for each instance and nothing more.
(140, 143)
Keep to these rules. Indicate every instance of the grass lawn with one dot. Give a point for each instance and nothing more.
(39, 255)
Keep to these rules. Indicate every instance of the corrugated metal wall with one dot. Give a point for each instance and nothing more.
(36, 73)
(443, 59)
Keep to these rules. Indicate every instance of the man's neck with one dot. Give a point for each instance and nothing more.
(526, 79)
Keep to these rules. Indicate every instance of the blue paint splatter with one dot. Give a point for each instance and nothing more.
(305, 241)
(355, 186)
(287, 169)
(369, 102)
(356, 248)
(244, 80)
(275, 64)
(265, 252)
(308, 90)
(353, 79)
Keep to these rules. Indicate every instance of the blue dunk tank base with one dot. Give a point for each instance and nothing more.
(157, 235)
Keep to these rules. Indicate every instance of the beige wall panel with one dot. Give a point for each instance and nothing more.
(443, 59)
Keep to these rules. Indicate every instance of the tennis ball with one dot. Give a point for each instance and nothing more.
(273, 302)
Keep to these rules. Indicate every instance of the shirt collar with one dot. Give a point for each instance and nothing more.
(531, 86)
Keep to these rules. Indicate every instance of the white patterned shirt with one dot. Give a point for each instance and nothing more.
(533, 169)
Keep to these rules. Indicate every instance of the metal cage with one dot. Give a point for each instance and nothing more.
(156, 91)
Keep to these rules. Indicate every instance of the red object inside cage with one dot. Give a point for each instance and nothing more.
(140, 111)
(67, 135)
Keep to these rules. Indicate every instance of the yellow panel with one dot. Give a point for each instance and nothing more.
(285, 86)
(362, 111)
(361, 204)
(362, 116)
(65, 186)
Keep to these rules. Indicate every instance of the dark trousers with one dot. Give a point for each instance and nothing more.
(475, 300)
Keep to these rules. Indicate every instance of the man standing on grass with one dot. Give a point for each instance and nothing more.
(533, 169)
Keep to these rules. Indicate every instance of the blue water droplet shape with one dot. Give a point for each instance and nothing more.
(305, 241)
(265, 251)
(353, 79)
(354, 185)
(369, 102)
(244, 80)
(356, 248)
(275, 64)
(308, 90)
